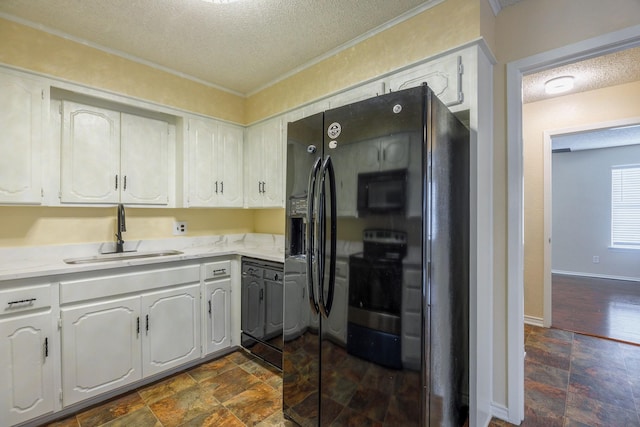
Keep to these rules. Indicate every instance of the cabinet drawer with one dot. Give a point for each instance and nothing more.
(215, 270)
(25, 298)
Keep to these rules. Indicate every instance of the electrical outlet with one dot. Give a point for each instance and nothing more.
(596, 259)
(179, 228)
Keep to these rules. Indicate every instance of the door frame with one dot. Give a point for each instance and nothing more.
(589, 48)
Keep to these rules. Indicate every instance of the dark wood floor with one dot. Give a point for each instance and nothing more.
(598, 307)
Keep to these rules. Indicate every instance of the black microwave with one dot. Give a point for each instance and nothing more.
(382, 192)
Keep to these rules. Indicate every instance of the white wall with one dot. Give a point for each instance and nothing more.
(581, 206)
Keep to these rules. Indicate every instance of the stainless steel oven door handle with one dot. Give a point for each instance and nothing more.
(327, 166)
(311, 195)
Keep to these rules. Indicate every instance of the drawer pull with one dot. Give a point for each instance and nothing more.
(219, 271)
(22, 301)
(46, 347)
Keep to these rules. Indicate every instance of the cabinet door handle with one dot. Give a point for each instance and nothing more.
(264, 187)
(221, 187)
(216, 187)
(138, 325)
(46, 347)
(147, 325)
(209, 308)
(116, 181)
(21, 301)
(124, 183)
(261, 294)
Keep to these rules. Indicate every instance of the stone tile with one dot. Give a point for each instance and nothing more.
(542, 400)
(141, 418)
(598, 414)
(219, 417)
(349, 418)
(549, 351)
(545, 374)
(536, 418)
(615, 390)
(255, 404)
(276, 420)
(67, 422)
(211, 369)
(184, 406)
(110, 410)
(166, 388)
(239, 357)
(230, 383)
(263, 372)
(370, 402)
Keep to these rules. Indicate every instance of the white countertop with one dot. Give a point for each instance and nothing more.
(28, 262)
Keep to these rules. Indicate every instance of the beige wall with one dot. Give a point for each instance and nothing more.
(435, 30)
(581, 109)
(524, 29)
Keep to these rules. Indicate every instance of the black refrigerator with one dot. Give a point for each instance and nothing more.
(376, 272)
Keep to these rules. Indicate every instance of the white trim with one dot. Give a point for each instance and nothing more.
(116, 52)
(599, 276)
(535, 321)
(596, 46)
(548, 206)
(407, 15)
(500, 411)
(495, 6)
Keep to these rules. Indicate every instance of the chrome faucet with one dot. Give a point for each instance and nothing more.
(121, 227)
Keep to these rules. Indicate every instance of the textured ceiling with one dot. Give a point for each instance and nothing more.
(602, 71)
(240, 46)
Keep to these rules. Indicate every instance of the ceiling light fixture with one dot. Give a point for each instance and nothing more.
(558, 85)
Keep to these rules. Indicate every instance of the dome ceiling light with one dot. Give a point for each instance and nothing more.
(558, 85)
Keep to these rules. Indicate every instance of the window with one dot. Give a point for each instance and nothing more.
(625, 206)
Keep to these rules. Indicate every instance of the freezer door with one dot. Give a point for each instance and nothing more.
(370, 373)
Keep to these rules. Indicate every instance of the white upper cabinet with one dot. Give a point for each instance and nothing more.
(22, 119)
(443, 75)
(215, 164)
(112, 157)
(264, 164)
(144, 160)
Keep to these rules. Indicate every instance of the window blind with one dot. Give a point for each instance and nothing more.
(625, 206)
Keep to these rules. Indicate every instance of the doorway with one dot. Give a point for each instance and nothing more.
(597, 46)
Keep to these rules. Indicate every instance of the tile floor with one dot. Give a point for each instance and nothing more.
(236, 390)
(571, 380)
(575, 380)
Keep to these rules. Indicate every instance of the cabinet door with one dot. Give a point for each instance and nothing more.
(253, 167)
(100, 347)
(229, 165)
(253, 306)
(273, 309)
(90, 161)
(22, 117)
(144, 164)
(202, 161)
(273, 164)
(170, 325)
(443, 75)
(26, 368)
(219, 316)
(264, 165)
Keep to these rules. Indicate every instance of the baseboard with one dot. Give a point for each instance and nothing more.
(534, 321)
(500, 411)
(599, 276)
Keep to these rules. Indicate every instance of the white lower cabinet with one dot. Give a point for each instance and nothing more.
(112, 341)
(26, 367)
(100, 347)
(217, 288)
(171, 328)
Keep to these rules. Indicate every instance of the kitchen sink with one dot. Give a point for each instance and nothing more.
(121, 256)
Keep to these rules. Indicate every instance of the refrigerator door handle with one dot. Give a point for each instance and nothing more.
(327, 166)
(311, 191)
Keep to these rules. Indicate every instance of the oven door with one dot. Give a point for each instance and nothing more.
(375, 293)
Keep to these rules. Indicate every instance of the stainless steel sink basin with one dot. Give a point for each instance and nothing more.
(120, 256)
